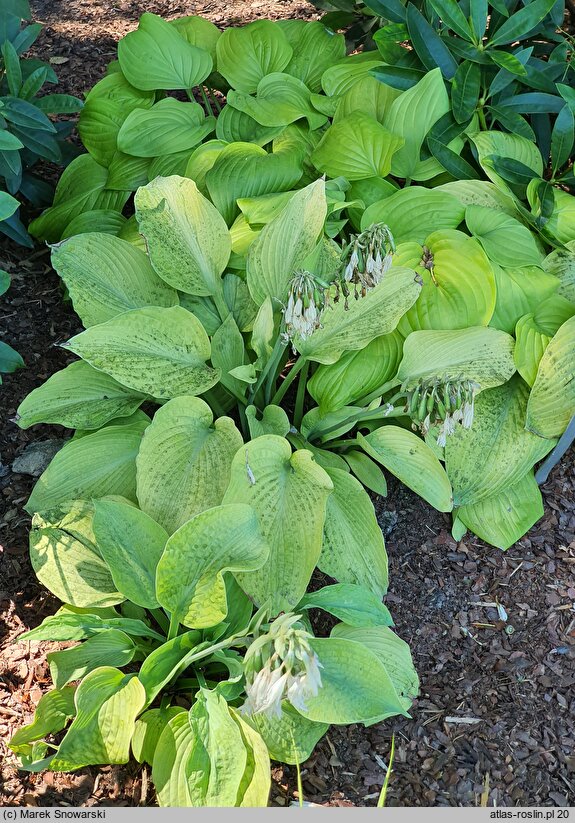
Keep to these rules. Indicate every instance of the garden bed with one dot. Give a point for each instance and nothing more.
(504, 685)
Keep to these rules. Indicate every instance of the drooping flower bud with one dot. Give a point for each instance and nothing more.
(306, 300)
(366, 260)
(442, 402)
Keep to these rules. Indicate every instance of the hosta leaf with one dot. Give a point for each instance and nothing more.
(246, 55)
(189, 580)
(552, 401)
(278, 485)
(519, 291)
(367, 471)
(234, 126)
(497, 450)
(157, 351)
(52, 713)
(174, 750)
(552, 313)
(372, 316)
(106, 276)
(284, 244)
(149, 727)
(199, 32)
(411, 460)
(112, 648)
(353, 549)
(506, 241)
(107, 704)
(561, 264)
(315, 49)
(479, 193)
(415, 212)
(131, 543)
(290, 738)
(481, 354)
(194, 471)
(512, 146)
(350, 602)
(99, 220)
(75, 623)
(530, 345)
(225, 749)
(279, 100)
(367, 95)
(100, 463)
(274, 420)
(156, 56)
(200, 243)
(78, 397)
(255, 785)
(168, 127)
(166, 662)
(356, 147)
(344, 75)
(502, 519)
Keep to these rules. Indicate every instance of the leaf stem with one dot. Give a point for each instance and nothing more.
(381, 390)
(174, 626)
(383, 794)
(291, 376)
(272, 362)
(300, 397)
(207, 104)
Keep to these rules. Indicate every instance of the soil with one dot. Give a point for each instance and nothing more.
(495, 721)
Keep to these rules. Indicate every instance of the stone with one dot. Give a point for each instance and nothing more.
(36, 456)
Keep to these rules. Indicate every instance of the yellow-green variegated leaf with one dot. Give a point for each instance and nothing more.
(497, 450)
(290, 738)
(189, 577)
(506, 241)
(561, 264)
(414, 212)
(254, 788)
(480, 193)
(519, 291)
(552, 401)
(95, 465)
(282, 245)
(410, 459)
(111, 647)
(481, 354)
(107, 704)
(162, 352)
(353, 549)
(376, 314)
(356, 374)
(503, 518)
(199, 241)
(106, 276)
(458, 291)
(196, 456)
(530, 344)
(289, 492)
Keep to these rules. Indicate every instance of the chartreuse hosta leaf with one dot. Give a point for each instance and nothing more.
(366, 471)
(157, 351)
(561, 264)
(273, 420)
(284, 244)
(356, 147)
(497, 450)
(290, 738)
(166, 662)
(353, 549)
(100, 463)
(552, 400)
(279, 100)
(354, 604)
(75, 623)
(52, 713)
(111, 648)
(234, 126)
(414, 212)
(491, 144)
(131, 543)
(246, 55)
(106, 276)
(149, 727)
(189, 580)
(315, 49)
(503, 518)
(107, 704)
(369, 96)
(199, 242)
(194, 471)
(530, 344)
(519, 291)
(167, 128)
(179, 760)
(289, 492)
(552, 313)
(410, 459)
(344, 75)
(78, 397)
(481, 354)
(98, 220)
(156, 56)
(356, 373)
(376, 314)
(505, 240)
(480, 193)
(458, 283)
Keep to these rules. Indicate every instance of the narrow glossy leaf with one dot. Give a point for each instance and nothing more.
(514, 123)
(112, 648)
(465, 91)
(10, 360)
(398, 77)
(552, 401)
(451, 13)
(478, 17)
(415, 212)
(521, 22)
(562, 138)
(507, 61)
(505, 240)
(8, 204)
(58, 104)
(530, 345)
(411, 460)
(350, 603)
(509, 146)
(246, 55)
(534, 103)
(451, 161)
(430, 48)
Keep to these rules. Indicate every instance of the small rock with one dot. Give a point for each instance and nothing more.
(388, 521)
(36, 456)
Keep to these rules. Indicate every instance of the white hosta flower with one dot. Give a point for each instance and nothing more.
(443, 402)
(306, 300)
(366, 260)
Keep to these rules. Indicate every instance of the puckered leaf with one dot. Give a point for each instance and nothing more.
(414, 212)
(530, 344)
(552, 401)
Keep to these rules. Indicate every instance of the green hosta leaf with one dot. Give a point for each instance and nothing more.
(189, 579)
(415, 212)
(166, 662)
(479, 193)
(368, 96)
(194, 471)
(175, 749)
(559, 225)
(10, 360)
(506, 241)
(99, 220)
(52, 713)
(200, 244)
(458, 291)
(149, 727)
(112, 648)
(199, 32)
(411, 460)
(107, 704)
(348, 602)
(131, 543)
(283, 245)
(78, 397)
(256, 781)
(530, 345)
(66, 559)
(169, 127)
(373, 148)
(344, 75)
(519, 291)
(234, 126)
(280, 100)
(357, 373)
(315, 49)
(74, 623)
(106, 276)
(100, 463)
(246, 55)
(561, 264)
(225, 748)
(502, 519)
(481, 354)
(201, 161)
(157, 351)
(8, 204)
(278, 485)
(367, 472)
(228, 355)
(290, 738)
(99, 125)
(274, 420)
(497, 450)
(156, 56)
(353, 549)
(372, 316)
(552, 401)
(511, 146)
